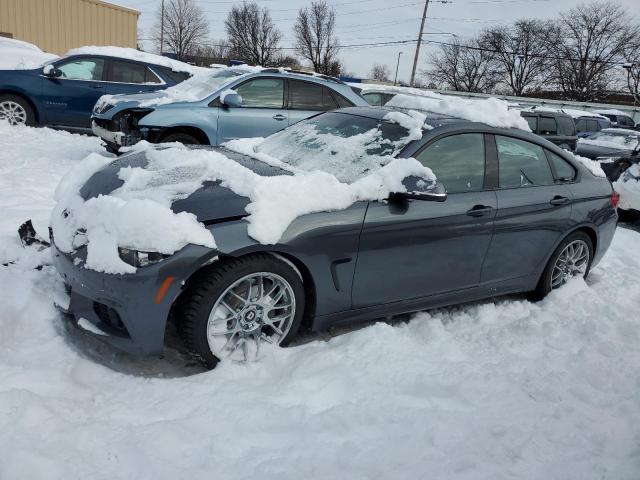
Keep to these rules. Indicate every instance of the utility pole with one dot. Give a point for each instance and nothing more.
(415, 59)
(161, 27)
(397, 66)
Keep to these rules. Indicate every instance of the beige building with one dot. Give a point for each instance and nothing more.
(59, 25)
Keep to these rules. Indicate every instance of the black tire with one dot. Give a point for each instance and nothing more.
(544, 284)
(210, 283)
(183, 138)
(30, 114)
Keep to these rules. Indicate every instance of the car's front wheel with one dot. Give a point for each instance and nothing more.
(233, 308)
(183, 138)
(16, 110)
(572, 258)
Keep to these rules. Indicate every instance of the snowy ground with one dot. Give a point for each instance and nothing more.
(495, 390)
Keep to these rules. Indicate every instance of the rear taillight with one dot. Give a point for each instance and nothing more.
(615, 199)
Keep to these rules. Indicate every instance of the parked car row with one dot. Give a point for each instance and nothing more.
(219, 106)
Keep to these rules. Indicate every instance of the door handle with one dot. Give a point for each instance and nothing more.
(559, 200)
(479, 210)
(279, 117)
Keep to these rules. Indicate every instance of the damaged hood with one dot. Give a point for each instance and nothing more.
(210, 202)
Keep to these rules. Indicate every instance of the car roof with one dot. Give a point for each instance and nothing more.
(378, 113)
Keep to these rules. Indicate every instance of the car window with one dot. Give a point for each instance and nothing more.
(548, 126)
(533, 122)
(581, 126)
(374, 99)
(566, 126)
(262, 93)
(626, 121)
(175, 76)
(306, 96)
(82, 69)
(457, 161)
(603, 124)
(592, 126)
(328, 100)
(342, 102)
(564, 171)
(521, 163)
(127, 72)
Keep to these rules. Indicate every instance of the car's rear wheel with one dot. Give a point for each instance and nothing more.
(232, 309)
(183, 138)
(572, 258)
(16, 110)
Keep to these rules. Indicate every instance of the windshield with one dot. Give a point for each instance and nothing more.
(347, 146)
(201, 86)
(615, 139)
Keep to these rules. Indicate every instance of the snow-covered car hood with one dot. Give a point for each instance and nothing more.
(208, 203)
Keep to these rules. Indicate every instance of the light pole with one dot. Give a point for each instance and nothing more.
(397, 66)
(629, 67)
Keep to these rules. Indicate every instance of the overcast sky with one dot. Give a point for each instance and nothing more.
(373, 21)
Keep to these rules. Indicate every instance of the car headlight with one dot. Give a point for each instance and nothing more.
(137, 258)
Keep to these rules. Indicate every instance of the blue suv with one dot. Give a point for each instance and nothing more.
(228, 103)
(62, 93)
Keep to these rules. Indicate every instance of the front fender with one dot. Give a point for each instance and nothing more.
(203, 118)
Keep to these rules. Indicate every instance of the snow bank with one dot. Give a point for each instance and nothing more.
(19, 55)
(490, 111)
(133, 54)
(628, 186)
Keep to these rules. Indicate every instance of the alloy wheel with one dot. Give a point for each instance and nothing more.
(255, 309)
(13, 112)
(572, 261)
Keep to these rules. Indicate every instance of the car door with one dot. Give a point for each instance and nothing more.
(307, 99)
(418, 248)
(534, 209)
(261, 114)
(131, 77)
(70, 97)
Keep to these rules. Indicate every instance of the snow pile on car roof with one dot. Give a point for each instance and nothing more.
(133, 54)
(490, 111)
(138, 214)
(19, 55)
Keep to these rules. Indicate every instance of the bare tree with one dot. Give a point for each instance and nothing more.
(252, 35)
(592, 39)
(315, 37)
(380, 72)
(464, 66)
(185, 27)
(521, 52)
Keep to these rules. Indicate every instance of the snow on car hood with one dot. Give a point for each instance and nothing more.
(144, 203)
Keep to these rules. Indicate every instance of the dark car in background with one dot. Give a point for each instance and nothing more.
(586, 125)
(519, 215)
(62, 93)
(618, 119)
(555, 126)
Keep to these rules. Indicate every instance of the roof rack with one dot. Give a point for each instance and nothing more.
(302, 72)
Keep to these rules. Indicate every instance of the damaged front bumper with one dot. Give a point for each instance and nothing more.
(118, 139)
(130, 311)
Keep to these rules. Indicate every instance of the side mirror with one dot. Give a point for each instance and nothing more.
(51, 71)
(230, 99)
(418, 189)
